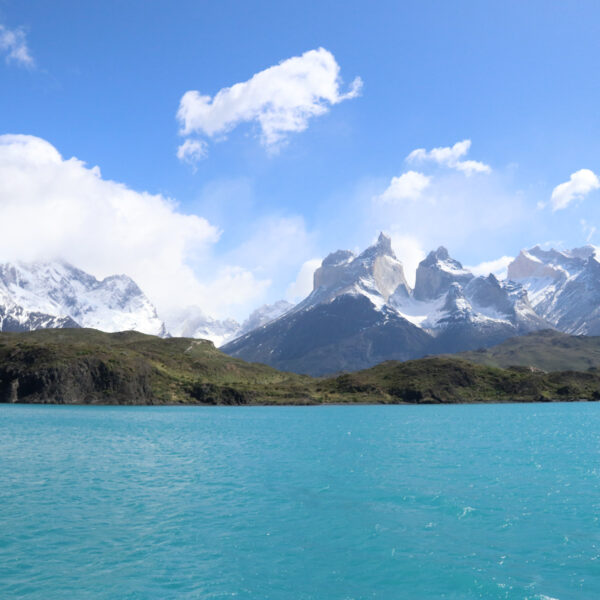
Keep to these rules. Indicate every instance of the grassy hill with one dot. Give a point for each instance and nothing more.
(89, 366)
(546, 350)
(85, 366)
(453, 380)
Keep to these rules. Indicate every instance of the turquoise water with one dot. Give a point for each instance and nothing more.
(332, 503)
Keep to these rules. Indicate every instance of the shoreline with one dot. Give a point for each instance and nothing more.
(298, 404)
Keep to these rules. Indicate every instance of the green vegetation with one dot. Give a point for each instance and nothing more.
(88, 366)
(546, 350)
(452, 380)
(91, 367)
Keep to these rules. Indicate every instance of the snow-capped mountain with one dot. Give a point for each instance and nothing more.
(345, 323)
(39, 295)
(263, 315)
(375, 274)
(362, 311)
(563, 286)
(192, 322)
(453, 304)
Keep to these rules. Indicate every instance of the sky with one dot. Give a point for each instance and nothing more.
(217, 151)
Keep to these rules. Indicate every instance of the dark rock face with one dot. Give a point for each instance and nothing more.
(35, 320)
(212, 394)
(489, 293)
(83, 381)
(345, 334)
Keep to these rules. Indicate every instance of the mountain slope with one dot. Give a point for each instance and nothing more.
(345, 323)
(448, 380)
(344, 334)
(56, 294)
(362, 311)
(191, 321)
(92, 367)
(564, 286)
(547, 350)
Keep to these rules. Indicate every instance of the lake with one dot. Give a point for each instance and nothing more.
(299, 503)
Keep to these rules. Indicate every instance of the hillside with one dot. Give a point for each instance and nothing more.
(91, 367)
(441, 380)
(85, 366)
(547, 350)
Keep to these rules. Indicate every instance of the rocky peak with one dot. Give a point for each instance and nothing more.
(488, 292)
(527, 265)
(456, 306)
(553, 264)
(376, 273)
(384, 245)
(584, 252)
(340, 257)
(436, 273)
(435, 256)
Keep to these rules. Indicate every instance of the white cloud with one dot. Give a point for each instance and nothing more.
(498, 267)
(192, 151)
(56, 208)
(303, 284)
(14, 45)
(410, 252)
(408, 186)
(281, 99)
(450, 157)
(580, 184)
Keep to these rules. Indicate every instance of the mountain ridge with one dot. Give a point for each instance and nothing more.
(381, 317)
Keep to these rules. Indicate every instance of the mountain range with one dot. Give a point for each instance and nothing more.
(55, 294)
(361, 311)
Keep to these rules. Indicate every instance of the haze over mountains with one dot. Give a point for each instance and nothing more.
(361, 311)
(55, 294)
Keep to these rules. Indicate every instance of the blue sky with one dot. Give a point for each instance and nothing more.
(517, 79)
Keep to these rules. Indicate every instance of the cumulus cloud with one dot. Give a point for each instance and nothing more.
(580, 184)
(192, 151)
(53, 207)
(303, 284)
(14, 45)
(450, 156)
(498, 267)
(281, 99)
(408, 186)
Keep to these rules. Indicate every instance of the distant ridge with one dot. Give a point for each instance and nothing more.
(362, 311)
(50, 294)
(84, 366)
